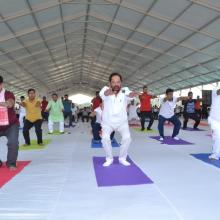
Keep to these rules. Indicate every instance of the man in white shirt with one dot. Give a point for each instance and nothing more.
(114, 117)
(22, 113)
(214, 121)
(166, 113)
(132, 112)
(74, 113)
(96, 127)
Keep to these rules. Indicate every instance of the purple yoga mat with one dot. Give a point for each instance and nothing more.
(117, 174)
(192, 129)
(170, 141)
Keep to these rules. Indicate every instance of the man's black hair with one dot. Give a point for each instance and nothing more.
(31, 90)
(190, 92)
(115, 74)
(169, 90)
(1, 79)
(22, 97)
(55, 94)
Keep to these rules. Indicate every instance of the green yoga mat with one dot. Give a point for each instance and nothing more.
(139, 129)
(34, 145)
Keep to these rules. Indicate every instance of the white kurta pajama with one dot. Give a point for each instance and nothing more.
(22, 114)
(214, 121)
(114, 118)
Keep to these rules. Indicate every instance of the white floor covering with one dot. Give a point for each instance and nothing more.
(60, 184)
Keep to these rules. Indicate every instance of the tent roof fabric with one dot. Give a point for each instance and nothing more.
(72, 46)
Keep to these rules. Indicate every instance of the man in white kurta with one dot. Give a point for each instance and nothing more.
(214, 121)
(114, 117)
(22, 113)
(132, 112)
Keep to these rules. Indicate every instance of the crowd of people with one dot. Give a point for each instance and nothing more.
(111, 110)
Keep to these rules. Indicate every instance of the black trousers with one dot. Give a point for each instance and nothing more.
(198, 112)
(85, 117)
(68, 114)
(12, 135)
(27, 126)
(45, 115)
(193, 116)
(145, 115)
(96, 128)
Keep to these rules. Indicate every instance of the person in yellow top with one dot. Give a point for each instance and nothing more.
(33, 117)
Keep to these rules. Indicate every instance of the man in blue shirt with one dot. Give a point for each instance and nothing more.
(67, 104)
(190, 112)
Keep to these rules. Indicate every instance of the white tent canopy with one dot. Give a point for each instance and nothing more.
(72, 46)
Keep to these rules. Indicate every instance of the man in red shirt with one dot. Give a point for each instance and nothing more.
(145, 109)
(44, 104)
(198, 106)
(9, 125)
(96, 101)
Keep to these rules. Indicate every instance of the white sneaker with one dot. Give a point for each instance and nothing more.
(213, 157)
(176, 138)
(124, 162)
(108, 163)
(161, 139)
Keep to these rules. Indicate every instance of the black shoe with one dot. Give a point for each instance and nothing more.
(142, 129)
(97, 141)
(11, 166)
(149, 129)
(1, 163)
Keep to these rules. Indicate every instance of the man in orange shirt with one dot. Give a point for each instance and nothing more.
(198, 106)
(145, 109)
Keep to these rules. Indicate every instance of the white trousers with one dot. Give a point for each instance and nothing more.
(215, 126)
(21, 120)
(124, 131)
(51, 123)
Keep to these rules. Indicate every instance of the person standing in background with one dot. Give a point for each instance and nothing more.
(22, 113)
(198, 106)
(44, 104)
(190, 112)
(67, 104)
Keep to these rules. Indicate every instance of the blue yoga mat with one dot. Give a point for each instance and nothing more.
(99, 145)
(205, 158)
